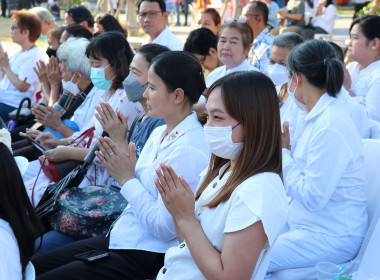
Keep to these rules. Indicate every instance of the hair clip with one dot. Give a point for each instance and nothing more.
(201, 73)
(324, 61)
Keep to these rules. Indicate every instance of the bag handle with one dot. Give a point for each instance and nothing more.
(20, 106)
(87, 133)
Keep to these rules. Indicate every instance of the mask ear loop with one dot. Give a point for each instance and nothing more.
(235, 125)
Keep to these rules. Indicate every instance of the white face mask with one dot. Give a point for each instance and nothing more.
(70, 86)
(278, 73)
(300, 105)
(220, 142)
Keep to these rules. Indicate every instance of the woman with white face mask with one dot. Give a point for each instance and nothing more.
(324, 169)
(240, 205)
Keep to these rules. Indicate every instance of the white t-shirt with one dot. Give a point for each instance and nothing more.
(327, 19)
(22, 63)
(10, 265)
(168, 39)
(260, 198)
(324, 173)
(366, 86)
(146, 224)
(222, 71)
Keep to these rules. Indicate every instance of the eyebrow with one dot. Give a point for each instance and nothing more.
(215, 110)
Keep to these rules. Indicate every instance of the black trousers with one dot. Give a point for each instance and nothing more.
(121, 264)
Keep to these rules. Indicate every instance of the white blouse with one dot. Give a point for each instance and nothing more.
(10, 264)
(260, 198)
(145, 224)
(366, 86)
(324, 173)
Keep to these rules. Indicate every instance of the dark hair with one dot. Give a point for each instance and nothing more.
(110, 23)
(317, 61)
(256, 108)
(329, 2)
(200, 41)
(28, 21)
(369, 25)
(179, 69)
(115, 48)
(161, 3)
(81, 13)
(78, 31)
(15, 206)
(287, 40)
(150, 51)
(214, 14)
(338, 51)
(262, 9)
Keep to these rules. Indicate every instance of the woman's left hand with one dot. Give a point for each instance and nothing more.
(285, 139)
(61, 153)
(119, 165)
(114, 124)
(175, 192)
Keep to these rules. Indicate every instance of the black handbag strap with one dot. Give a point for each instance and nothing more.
(20, 106)
(135, 121)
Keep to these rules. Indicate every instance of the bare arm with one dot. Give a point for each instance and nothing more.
(4, 64)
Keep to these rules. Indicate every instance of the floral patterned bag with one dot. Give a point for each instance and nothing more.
(87, 212)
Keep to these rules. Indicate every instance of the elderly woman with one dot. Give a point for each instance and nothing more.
(18, 77)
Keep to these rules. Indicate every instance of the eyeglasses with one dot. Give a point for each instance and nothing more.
(239, 20)
(151, 14)
(250, 15)
(14, 27)
(201, 61)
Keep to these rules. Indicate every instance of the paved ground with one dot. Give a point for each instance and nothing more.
(340, 33)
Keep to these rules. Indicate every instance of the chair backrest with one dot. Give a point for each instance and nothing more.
(374, 127)
(369, 254)
(372, 157)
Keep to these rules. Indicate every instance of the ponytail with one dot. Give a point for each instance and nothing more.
(334, 76)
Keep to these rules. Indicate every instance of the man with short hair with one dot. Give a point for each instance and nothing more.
(80, 15)
(153, 19)
(47, 19)
(256, 14)
(294, 17)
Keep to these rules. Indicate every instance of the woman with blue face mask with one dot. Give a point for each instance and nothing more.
(240, 207)
(134, 86)
(324, 168)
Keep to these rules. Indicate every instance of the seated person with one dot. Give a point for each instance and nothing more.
(55, 10)
(322, 22)
(210, 19)
(324, 171)
(202, 43)
(75, 30)
(292, 17)
(272, 13)
(139, 239)
(80, 15)
(17, 77)
(240, 203)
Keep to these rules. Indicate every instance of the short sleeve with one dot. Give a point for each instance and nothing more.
(240, 216)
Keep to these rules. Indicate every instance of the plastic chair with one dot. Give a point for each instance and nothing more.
(29, 273)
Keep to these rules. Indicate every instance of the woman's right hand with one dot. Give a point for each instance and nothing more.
(33, 133)
(41, 71)
(285, 139)
(53, 72)
(47, 139)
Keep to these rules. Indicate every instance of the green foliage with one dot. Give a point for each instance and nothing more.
(366, 9)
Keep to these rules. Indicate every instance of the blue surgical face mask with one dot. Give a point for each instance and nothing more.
(98, 78)
(133, 88)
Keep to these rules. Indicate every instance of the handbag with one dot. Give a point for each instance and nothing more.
(55, 171)
(87, 212)
(22, 115)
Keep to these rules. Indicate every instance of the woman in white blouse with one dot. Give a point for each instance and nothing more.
(235, 41)
(240, 205)
(324, 169)
(364, 50)
(145, 230)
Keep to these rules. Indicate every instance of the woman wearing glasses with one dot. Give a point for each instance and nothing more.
(235, 41)
(18, 79)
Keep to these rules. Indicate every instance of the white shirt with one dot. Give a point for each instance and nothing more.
(221, 71)
(324, 173)
(10, 264)
(168, 39)
(145, 223)
(22, 63)
(327, 19)
(259, 198)
(85, 112)
(366, 85)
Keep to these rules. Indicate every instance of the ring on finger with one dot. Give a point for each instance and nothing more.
(111, 154)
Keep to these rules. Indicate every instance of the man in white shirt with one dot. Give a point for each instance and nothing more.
(256, 14)
(153, 19)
